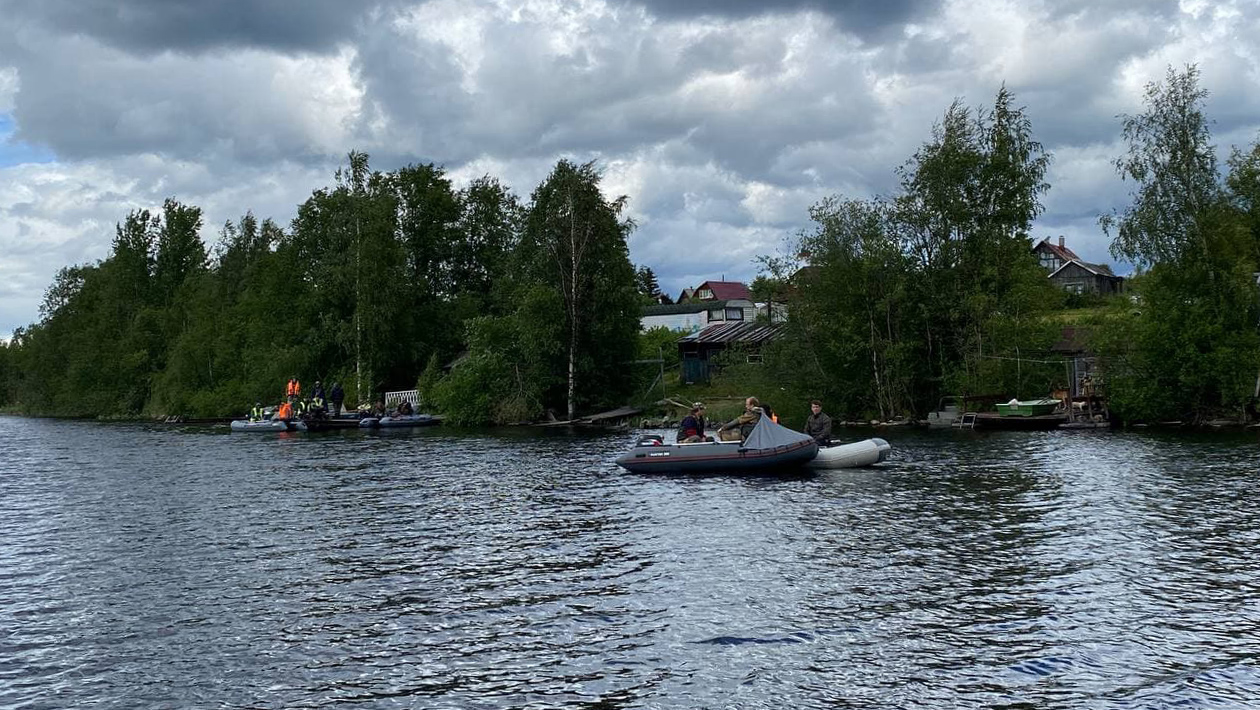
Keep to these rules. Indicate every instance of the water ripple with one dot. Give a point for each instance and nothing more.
(157, 567)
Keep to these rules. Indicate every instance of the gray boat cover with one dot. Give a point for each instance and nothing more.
(768, 434)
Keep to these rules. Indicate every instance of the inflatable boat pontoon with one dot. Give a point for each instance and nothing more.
(407, 420)
(854, 455)
(243, 425)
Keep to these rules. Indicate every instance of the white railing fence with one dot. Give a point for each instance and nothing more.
(393, 398)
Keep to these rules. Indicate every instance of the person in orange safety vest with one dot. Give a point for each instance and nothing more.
(285, 412)
(293, 390)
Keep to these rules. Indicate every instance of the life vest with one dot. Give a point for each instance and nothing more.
(317, 403)
(293, 389)
(256, 414)
(285, 411)
(299, 407)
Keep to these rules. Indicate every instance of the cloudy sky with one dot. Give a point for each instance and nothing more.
(723, 120)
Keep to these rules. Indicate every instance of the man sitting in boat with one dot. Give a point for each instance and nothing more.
(691, 430)
(818, 425)
(284, 413)
(404, 409)
(257, 414)
(740, 427)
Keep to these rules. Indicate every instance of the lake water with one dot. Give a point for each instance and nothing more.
(146, 567)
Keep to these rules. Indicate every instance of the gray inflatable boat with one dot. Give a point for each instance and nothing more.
(770, 448)
(407, 420)
(243, 425)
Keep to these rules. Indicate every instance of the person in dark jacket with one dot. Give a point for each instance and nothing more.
(336, 396)
(691, 430)
(818, 425)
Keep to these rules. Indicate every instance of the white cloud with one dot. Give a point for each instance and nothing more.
(9, 85)
(722, 128)
(55, 215)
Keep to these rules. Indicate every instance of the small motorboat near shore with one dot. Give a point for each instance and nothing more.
(266, 425)
(853, 455)
(770, 448)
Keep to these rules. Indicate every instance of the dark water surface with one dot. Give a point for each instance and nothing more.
(191, 568)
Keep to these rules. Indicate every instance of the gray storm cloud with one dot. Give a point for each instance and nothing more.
(722, 121)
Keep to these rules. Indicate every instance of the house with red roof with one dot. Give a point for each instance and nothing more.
(717, 291)
(698, 308)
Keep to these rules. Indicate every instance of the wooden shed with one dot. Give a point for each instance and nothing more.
(697, 349)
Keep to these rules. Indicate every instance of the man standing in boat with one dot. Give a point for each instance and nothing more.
(818, 425)
(744, 423)
(337, 396)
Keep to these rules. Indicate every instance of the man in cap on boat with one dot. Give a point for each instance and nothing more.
(691, 430)
(739, 428)
(256, 414)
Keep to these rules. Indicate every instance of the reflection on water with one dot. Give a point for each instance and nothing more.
(153, 567)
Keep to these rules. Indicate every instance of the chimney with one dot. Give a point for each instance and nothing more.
(1060, 241)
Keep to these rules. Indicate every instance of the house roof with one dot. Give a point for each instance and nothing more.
(726, 290)
(734, 332)
(673, 309)
(1095, 269)
(1060, 251)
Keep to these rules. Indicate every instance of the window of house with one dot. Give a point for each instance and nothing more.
(716, 315)
(734, 314)
(704, 294)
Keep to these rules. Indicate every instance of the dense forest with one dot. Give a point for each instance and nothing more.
(379, 278)
(500, 309)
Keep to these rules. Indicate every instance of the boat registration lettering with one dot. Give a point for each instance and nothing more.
(656, 454)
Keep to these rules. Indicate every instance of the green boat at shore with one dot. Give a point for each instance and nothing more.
(1028, 407)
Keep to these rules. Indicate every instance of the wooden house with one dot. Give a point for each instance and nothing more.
(694, 316)
(717, 291)
(1072, 273)
(697, 349)
(697, 308)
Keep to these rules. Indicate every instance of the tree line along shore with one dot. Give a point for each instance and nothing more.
(500, 309)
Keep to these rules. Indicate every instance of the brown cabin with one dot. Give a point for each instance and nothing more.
(1072, 273)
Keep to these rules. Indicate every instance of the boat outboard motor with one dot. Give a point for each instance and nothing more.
(650, 440)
